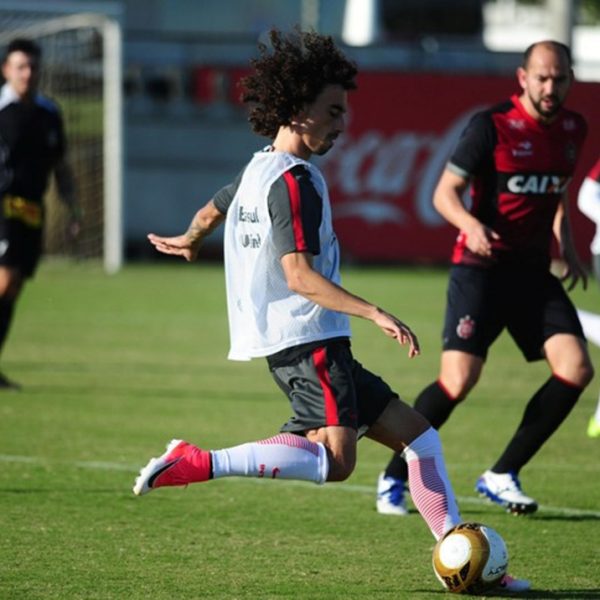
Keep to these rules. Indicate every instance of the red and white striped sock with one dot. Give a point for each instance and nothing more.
(284, 456)
(430, 487)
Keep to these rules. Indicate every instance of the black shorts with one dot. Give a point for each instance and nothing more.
(20, 246)
(531, 303)
(327, 387)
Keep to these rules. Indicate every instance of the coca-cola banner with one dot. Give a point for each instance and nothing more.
(401, 129)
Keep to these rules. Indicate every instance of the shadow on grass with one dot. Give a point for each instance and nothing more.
(547, 515)
(115, 492)
(569, 518)
(562, 594)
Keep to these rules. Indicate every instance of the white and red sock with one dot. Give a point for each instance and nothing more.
(284, 456)
(430, 487)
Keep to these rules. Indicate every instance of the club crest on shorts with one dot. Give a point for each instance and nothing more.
(466, 327)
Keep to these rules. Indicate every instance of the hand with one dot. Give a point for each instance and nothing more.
(181, 245)
(396, 329)
(74, 225)
(573, 271)
(74, 228)
(478, 238)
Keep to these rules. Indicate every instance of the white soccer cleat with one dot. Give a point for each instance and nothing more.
(391, 496)
(505, 489)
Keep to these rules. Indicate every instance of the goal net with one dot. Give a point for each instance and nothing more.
(81, 71)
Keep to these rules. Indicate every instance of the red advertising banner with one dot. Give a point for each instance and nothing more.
(401, 130)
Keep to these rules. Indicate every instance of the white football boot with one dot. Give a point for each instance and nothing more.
(391, 496)
(505, 489)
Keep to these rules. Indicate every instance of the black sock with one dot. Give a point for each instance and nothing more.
(546, 410)
(6, 313)
(397, 467)
(435, 405)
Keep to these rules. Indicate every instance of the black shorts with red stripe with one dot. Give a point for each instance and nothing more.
(326, 386)
(527, 301)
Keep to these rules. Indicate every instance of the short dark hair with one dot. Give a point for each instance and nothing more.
(548, 43)
(24, 45)
(290, 75)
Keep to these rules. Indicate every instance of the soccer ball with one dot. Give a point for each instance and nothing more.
(470, 558)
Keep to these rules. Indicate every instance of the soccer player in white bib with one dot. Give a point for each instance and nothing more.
(588, 201)
(285, 301)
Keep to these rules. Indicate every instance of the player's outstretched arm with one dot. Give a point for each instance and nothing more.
(187, 245)
(304, 280)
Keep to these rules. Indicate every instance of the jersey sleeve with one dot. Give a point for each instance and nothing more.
(56, 126)
(295, 208)
(61, 149)
(475, 146)
(224, 197)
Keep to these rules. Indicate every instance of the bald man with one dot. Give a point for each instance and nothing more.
(518, 158)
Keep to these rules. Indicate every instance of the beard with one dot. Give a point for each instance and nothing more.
(547, 113)
(323, 147)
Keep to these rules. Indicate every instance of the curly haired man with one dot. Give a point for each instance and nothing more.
(285, 301)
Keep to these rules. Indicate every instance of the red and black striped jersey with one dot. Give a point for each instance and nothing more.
(519, 169)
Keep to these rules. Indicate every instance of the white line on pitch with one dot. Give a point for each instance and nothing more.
(343, 487)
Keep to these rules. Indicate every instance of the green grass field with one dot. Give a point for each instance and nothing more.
(114, 367)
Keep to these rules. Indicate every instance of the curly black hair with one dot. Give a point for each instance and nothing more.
(290, 76)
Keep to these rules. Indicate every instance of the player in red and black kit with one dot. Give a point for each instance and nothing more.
(32, 145)
(519, 157)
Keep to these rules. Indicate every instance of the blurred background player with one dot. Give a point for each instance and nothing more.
(32, 145)
(588, 201)
(285, 302)
(518, 157)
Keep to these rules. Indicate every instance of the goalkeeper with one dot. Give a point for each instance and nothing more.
(32, 145)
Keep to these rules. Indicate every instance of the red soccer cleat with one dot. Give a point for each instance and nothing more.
(182, 463)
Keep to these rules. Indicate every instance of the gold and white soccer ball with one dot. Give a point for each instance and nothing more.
(470, 558)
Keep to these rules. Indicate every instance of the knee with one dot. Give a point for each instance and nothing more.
(580, 374)
(340, 467)
(10, 285)
(459, 373)
(458, 384)
(587, 374)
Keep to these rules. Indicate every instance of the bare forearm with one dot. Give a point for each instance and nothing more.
(450, 206)
(325, 293)
(447, 200)
(205, 221)
(305, 281)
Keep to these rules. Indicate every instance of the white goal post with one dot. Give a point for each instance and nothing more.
(33, 20)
